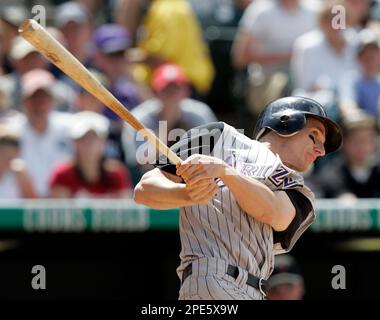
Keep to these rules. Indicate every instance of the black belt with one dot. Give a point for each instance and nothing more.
(257, 283)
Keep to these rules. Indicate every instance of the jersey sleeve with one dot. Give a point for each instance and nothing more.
(303, 201)
(198, 140)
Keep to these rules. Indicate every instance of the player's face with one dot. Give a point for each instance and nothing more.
(307, 145)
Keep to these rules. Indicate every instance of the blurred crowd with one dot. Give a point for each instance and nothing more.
(158, 58)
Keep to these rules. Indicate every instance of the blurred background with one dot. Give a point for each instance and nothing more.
(68, 164)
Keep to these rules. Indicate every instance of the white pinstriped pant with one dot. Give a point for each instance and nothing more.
(209, 281)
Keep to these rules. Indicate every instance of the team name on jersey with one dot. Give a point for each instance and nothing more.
(254, 170)
(257, 171)
(280, 178)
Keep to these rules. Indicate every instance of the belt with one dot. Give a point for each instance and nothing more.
(257, 283)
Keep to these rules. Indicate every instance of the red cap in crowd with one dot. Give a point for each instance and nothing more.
(168, 74)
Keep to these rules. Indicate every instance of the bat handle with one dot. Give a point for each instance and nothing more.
(152, 138)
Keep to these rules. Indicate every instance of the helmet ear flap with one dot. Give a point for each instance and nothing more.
(287, 123)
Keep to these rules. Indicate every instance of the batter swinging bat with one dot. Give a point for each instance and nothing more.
(34, 33)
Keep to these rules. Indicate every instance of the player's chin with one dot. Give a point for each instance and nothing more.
(304, 166)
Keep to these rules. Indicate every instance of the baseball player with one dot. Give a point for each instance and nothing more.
(241, 200)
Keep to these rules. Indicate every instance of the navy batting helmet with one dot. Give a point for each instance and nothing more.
(286, 116)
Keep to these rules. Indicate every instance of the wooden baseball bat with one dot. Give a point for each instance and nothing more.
(34, 33)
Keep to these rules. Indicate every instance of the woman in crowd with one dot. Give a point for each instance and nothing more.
(90, 173)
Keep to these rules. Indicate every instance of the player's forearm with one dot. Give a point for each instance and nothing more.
(158, 204)
(157, 194)
(255, 198)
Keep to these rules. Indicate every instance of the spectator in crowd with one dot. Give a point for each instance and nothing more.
(3, 52)
(43, 132)
(15, 181)
(89, 173)
(72, 19)
(24, 58)
(170, 109)
(111, 41)
(100, 11)
(360, 89)
(355, 171)
(7, 113)
(10, 18)
(286, 282)
(171, 34)
(72, 28)
(129, 14)
(85, 101)
(320, 58)
(358, 13)
(264, 42)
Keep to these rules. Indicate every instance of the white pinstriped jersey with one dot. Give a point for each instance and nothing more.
(221, 229)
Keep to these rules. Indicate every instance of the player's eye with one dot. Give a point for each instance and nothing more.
(312, 138)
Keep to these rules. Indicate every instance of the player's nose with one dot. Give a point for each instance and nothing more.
(319, 149)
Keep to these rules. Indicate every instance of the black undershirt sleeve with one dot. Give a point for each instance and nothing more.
(303, 207)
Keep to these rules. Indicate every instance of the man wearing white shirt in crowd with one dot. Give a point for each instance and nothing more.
(264, 43)
(268, 30)
(43, 132)
(321, 57)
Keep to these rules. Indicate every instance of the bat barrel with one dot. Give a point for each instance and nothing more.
(25, 25)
